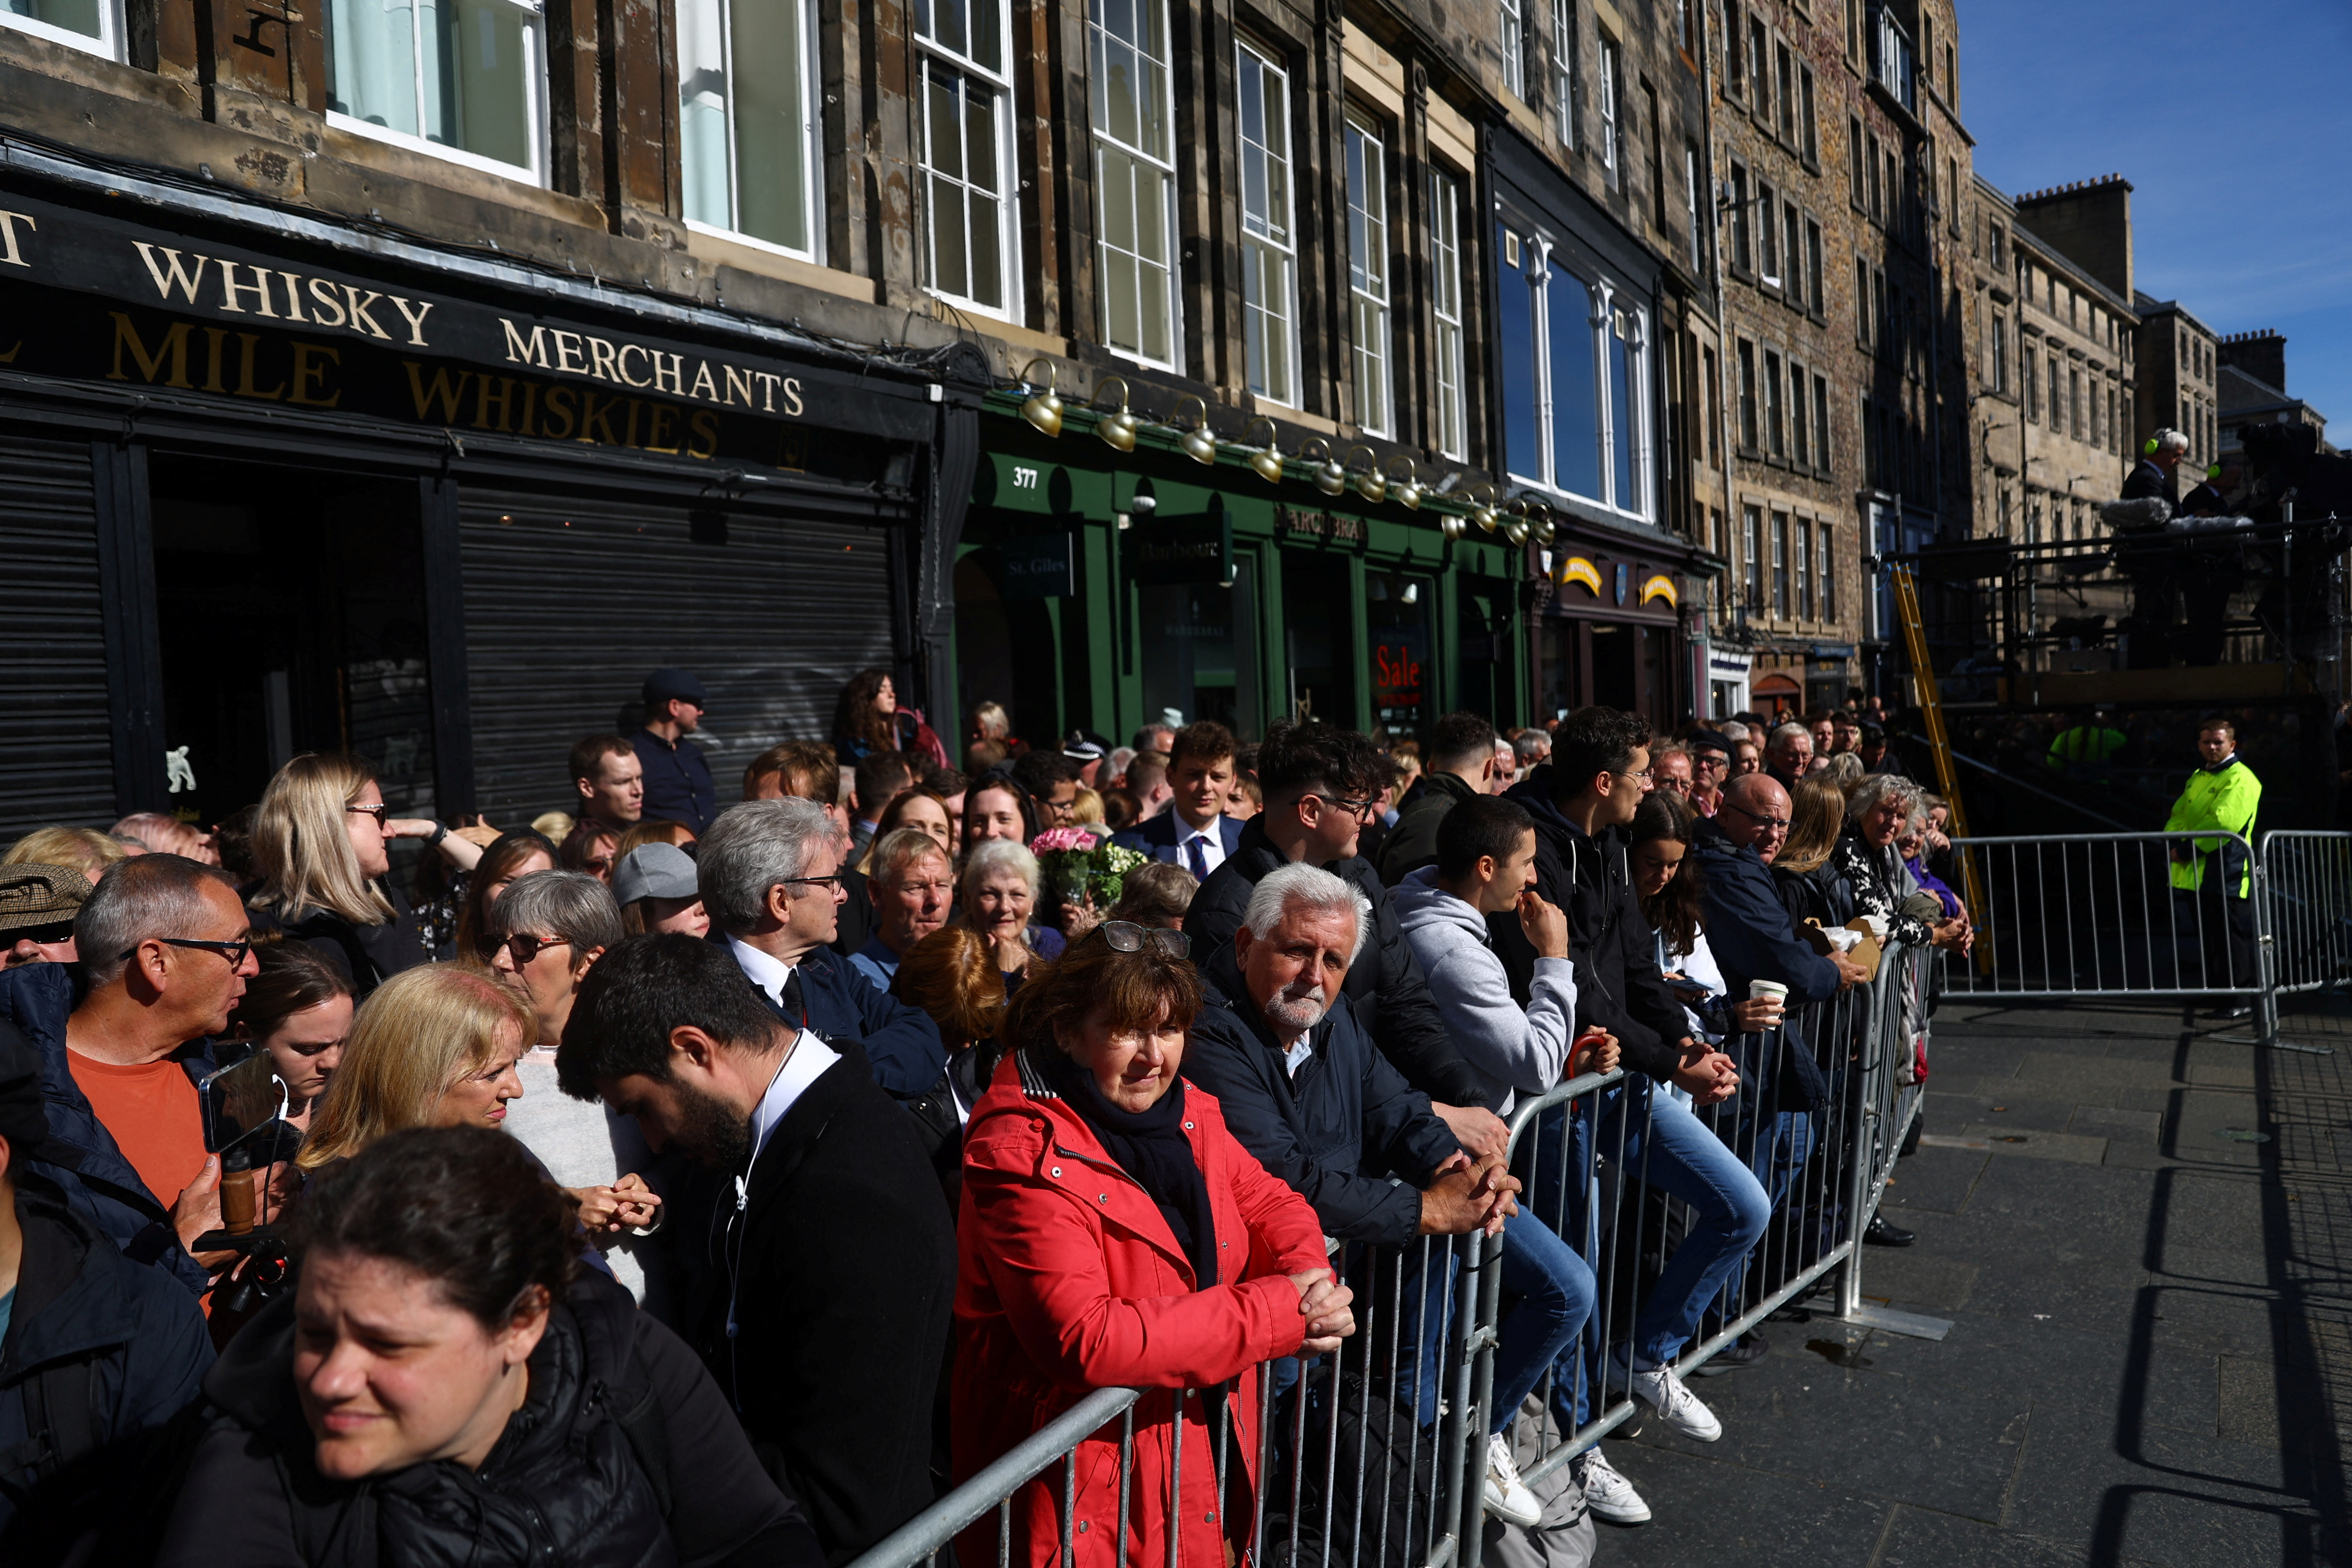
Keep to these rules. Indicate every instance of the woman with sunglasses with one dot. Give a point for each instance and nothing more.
(1113, 1234)
(321, 841)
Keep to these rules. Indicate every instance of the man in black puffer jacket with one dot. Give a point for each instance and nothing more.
(1461, 767)
(1320, 783)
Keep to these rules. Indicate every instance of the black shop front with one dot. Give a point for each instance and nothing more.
(270, 485)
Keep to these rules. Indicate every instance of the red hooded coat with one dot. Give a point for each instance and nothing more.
(1068, 1281)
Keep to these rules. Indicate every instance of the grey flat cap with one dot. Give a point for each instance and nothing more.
(655, 871)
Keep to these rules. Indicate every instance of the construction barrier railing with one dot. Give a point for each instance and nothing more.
(1375, 1456)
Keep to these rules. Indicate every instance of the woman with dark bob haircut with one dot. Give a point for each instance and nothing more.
(1113, 1234)
(444, 1385)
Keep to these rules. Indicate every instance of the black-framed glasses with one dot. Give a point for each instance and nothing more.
(1353, 807)
(1780, 824)
(521, 944)
(234, 951)
(1126, 936)
(381, 813)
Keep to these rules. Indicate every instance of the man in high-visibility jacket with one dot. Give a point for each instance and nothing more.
(2212, 878)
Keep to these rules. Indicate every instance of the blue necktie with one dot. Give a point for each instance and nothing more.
(1200, 858)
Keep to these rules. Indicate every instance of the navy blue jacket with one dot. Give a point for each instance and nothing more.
(37, 998)
(678, 782)
(902, 1043)
(1156, 836)
(1752, 938)
(137, 1339)
(1390, 995)
(1336, 1132)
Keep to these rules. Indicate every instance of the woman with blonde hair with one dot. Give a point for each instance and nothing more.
(433, 1047)
(321, 840)
(85, 849)
(1810, 886)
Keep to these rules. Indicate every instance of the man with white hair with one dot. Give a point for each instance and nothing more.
(1305, 1090)
(2157, 474)
(771, 878)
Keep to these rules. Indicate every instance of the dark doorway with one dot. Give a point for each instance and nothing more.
(1318, 635)
(1616, 655)
(290, 603)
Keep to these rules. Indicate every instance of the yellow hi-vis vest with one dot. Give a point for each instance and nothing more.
(2227, 800)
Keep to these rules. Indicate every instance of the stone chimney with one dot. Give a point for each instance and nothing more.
(2262, 355)
(2089, 223)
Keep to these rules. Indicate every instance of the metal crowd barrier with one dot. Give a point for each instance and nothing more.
(2093, 914)
(1375, 1456)
(2307, 882)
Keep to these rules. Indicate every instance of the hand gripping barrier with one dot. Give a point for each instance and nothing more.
(1375, 1456)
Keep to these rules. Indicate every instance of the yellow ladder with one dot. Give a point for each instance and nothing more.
(1939, 743)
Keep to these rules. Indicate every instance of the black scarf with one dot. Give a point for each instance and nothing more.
(1151, 1146)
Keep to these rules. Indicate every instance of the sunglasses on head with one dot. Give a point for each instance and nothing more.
(1126, 936)
(524, 945)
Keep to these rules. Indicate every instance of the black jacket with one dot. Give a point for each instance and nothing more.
(1412, 842)
(38, 999)
(1392, 999)
(1336, 1132)
(2146, 481)
(368, 955)
(902, 1043)
(678, 787)
(841, 1262)
(1752, 938)
(99, 1350)
(577, 1478)
(1820, 894)
(1615, 949)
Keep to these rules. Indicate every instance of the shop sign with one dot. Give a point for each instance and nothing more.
(91, 298)
(1181, 549)
(1039, 566)
(1320, 524)
(1577, 569)
(1400, 667)
(1660, 587)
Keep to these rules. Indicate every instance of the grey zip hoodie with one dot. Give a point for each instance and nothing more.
(1513, 1051)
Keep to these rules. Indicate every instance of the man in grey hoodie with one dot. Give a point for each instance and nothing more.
(1485, 864)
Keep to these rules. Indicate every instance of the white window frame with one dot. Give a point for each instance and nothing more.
(108, 42)
(534, 107)
(1448, 352)
(1099, 43)
(1513, 38)
(1276, 237)
(1370, 334)
(1611, 79)
(1631, 424)
(1008, 204)
(813, 204)
(1691, 205)
(1563, 70)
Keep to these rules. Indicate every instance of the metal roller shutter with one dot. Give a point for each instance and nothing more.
(570, 602)
(56, 752)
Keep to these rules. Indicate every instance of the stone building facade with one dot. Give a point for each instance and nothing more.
(1845, 182)
(2077, 392)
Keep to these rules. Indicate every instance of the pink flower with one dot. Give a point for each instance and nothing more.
(1057, 839)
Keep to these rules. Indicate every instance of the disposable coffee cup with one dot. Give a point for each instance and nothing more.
(1772, 988)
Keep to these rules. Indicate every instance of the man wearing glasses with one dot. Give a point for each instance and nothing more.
(1321, 783)
(166, 950)
(770, 873)
(1710, 755)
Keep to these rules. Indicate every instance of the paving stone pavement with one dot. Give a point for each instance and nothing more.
(2141, 1232)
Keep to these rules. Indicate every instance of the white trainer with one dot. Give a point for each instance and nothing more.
(1676, 1406)
(1507, 1497)
(1608, 1494)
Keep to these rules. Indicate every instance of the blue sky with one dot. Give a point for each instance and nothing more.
(2233, 124)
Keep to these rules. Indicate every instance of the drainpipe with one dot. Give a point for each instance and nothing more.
(1723, 372)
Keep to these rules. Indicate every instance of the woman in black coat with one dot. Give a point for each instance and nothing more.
(444, 1387)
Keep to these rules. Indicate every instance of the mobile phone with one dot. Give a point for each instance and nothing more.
(240, 1099)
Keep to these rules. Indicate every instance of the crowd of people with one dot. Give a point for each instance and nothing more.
(749, 1177)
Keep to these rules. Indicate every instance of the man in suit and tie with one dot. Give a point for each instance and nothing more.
(1194, 831)
(770, 874)
(832, 1269)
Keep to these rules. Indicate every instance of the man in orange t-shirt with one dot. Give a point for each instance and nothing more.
(166, 947)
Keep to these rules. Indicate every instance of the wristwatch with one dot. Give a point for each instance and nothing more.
(440, 831)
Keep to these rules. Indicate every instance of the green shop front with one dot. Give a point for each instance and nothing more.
(1098, 589)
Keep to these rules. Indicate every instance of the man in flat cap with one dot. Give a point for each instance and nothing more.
(677, 778)
(37, 905)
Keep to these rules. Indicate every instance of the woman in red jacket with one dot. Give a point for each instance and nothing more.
(1114, 1235)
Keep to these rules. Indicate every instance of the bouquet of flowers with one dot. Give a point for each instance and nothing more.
(1076, 865)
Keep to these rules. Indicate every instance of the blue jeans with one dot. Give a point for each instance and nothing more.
(1555, 1292)
(1680, 1156)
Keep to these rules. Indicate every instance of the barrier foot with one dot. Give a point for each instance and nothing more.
(1911, 1325)
(2273, 1045)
